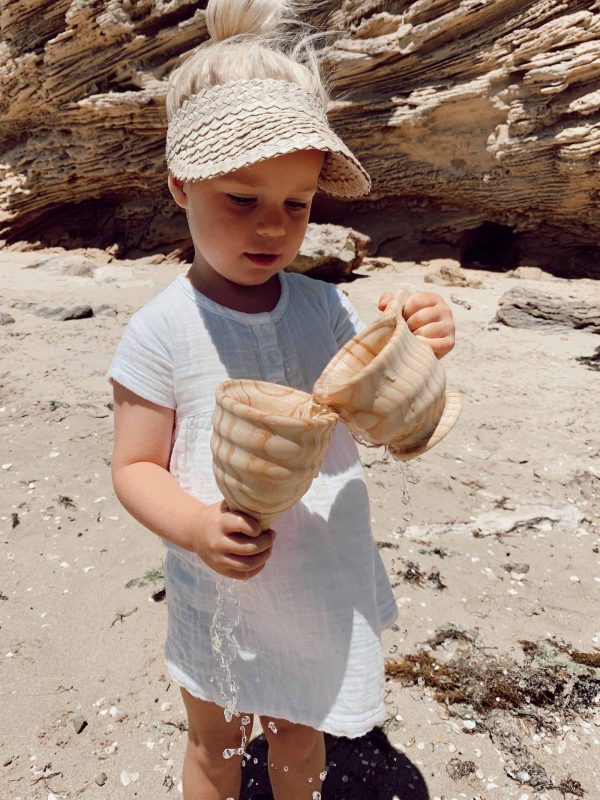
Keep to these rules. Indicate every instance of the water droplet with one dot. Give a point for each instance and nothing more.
(236, 751)
(272, 726)
(285, 768)
(323, 775)
(344, 779)
(393, 649)
(255, 760)
(245, 720)
(316, 796)
(310, 780)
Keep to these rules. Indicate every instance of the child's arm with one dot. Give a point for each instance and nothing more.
(428, 316)
(230, 543)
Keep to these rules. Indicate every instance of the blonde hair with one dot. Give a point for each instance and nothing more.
(249, 40)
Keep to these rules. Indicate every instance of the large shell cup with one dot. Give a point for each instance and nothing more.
(389, 387)
(267, 446)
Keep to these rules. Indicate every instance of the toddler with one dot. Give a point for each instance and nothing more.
(248, 146)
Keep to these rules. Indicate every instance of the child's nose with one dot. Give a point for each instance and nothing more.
(271, 224)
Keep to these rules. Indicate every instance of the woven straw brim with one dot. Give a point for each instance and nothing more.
(237, 124)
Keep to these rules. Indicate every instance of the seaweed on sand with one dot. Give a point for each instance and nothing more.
(498, 692)
(152, 576)
(591, 362)
(415, 575)
(476, 678)
(586, 659)
(458, 769)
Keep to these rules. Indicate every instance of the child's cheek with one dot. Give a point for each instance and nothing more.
(300, 233)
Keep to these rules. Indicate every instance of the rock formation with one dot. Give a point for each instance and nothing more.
(475, 114)
(330, 252)
(479, 121)
(526, 308)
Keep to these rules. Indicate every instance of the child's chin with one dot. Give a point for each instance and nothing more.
(254, 280)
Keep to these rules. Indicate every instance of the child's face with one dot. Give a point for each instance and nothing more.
(258, 210)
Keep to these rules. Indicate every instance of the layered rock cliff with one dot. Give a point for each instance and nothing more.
(478, 120)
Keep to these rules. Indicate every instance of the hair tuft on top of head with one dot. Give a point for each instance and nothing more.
(226, 19)
(250, 39)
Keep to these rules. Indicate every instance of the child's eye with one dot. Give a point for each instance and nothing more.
(241, 200)
(244, 200)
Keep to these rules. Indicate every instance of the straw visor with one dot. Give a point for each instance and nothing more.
(239, 123)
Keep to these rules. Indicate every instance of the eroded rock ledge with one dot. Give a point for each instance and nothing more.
(464, 113)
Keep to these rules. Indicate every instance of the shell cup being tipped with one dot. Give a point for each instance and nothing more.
(266, 446)
(389, 387)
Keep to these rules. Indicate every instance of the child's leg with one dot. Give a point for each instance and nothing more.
(302, 750)
(206, 774)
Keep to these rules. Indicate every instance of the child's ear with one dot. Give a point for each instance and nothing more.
(176, 187)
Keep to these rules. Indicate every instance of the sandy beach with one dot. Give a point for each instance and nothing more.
(494, 558)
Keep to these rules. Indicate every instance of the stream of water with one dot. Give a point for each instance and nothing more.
(225, 620)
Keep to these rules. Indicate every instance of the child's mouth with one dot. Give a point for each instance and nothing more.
(263, 259)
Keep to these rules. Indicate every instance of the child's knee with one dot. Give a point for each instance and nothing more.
(208, 756)
(210, 735)
(290, 736)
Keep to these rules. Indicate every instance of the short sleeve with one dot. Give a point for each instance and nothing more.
(142, 362)
(345, 322)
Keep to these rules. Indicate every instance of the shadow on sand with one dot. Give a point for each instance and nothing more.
(366, 768)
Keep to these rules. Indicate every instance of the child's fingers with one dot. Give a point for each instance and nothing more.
(249, 575)
(238, 522)
(383, 301)
(244, 576)
(421, 300)
(440, 347)
(241, 545)
(246, 564)
(432, 330)
(246, 555)
(422, 317)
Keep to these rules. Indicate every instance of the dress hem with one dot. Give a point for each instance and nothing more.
(325, 727)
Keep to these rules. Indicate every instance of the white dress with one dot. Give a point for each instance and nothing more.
(308, 641)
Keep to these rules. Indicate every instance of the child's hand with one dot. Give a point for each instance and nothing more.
(231, 543)
(428, 317)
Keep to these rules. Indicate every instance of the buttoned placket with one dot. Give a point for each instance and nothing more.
(270, 353)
